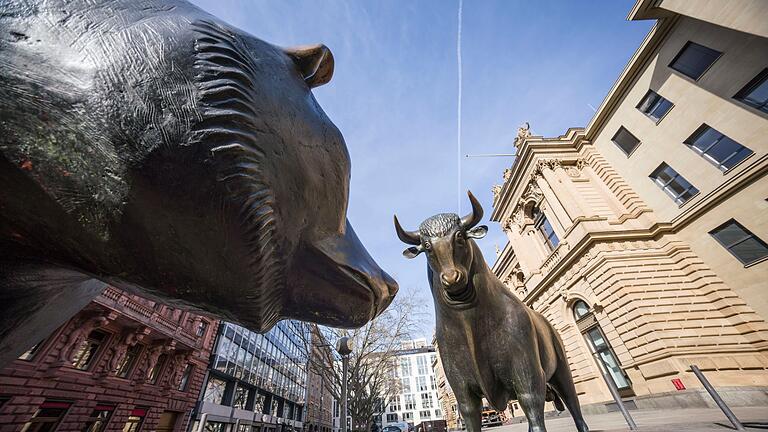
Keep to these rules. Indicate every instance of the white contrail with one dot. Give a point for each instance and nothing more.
(458, 117)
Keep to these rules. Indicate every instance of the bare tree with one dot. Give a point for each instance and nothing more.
(372, 375)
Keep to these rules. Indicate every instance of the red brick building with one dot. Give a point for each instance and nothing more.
(123, 363)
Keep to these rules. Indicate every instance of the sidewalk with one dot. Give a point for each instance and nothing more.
(682, 420)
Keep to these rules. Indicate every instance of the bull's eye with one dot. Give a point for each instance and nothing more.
(459, 235)
(427, 245)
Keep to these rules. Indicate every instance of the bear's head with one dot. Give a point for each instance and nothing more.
(217, 181)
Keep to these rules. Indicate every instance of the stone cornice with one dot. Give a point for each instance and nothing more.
(532, 149)
(590, 239)
(629, 74)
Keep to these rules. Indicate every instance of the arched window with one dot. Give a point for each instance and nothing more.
(599, 345)
(580, 309)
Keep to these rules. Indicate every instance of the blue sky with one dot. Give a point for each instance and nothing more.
(394, 95)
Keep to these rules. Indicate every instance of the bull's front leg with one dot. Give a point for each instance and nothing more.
(470, 406)
(531, 391)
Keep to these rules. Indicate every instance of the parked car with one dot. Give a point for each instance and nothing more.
(491, 417)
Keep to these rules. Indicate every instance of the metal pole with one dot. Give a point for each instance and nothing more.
(344, 365)
(718, 400)
(491, 155)
(615, 393)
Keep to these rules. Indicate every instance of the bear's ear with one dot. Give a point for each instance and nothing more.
(315, 63)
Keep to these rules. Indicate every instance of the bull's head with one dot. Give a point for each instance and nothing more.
(447, 240)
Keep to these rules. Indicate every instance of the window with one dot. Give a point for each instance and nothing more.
(392, 417)
(258, 404)
(541, 223)
(694, 59)
(212, 426)
(202, 328)
(99, 418)
(407, 416)
(406, 384)
(135, 420)
(438, 413)
(421, 383)
(405, 367)
(30, 353)
(185, 377)
(421, 362)
(88, 349)
(410, 402)
(580, 310)
(126, 365)
(717, 148)
(432, 382)
(240, 397)
(740, 242)
(673, 183)
(425, 414)
(654, 106)
(214, 391)
(755, 94)
(47, 417)
(394, 403)
(158, 368)
(599, 346)
(427, 401)
(625, 140)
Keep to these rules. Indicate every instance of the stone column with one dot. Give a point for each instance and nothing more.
(559, 212)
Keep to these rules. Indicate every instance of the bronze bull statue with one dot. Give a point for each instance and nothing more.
(493, 344)
(148, 145)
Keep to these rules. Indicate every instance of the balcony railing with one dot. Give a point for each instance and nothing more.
(120, 301)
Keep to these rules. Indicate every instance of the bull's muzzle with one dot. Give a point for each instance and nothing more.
(452, 278)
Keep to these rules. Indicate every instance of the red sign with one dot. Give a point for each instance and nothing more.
(678, 384)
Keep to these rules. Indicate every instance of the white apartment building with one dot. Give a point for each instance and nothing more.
(416, 399)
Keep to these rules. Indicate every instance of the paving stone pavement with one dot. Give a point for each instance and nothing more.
(681, 420)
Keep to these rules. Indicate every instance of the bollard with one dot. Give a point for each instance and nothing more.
(615, 393)
(718, 400)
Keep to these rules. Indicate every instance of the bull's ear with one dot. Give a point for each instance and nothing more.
(412, 252)
(315, 62)
(478, 232)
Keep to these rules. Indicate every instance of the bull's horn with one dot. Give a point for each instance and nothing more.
(408, 237)
(473, 218)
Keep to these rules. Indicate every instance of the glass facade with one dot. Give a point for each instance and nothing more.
(261, 373)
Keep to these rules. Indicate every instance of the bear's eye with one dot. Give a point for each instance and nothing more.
(427, 245)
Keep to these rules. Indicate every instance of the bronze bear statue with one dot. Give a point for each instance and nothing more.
(148, 145)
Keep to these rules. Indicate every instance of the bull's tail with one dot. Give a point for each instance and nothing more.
(553, 397)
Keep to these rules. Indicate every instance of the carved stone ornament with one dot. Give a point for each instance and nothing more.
(507, 174)
(120, 350)
(496, 189)
(523, 132)
(78, 335)
(533, 193)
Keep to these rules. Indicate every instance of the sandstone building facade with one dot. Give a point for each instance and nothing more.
(642, 237)
(123, 363)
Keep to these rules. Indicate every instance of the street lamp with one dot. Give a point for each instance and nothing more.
(344, 348)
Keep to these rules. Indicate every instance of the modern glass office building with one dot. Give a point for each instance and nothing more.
(256, 382)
